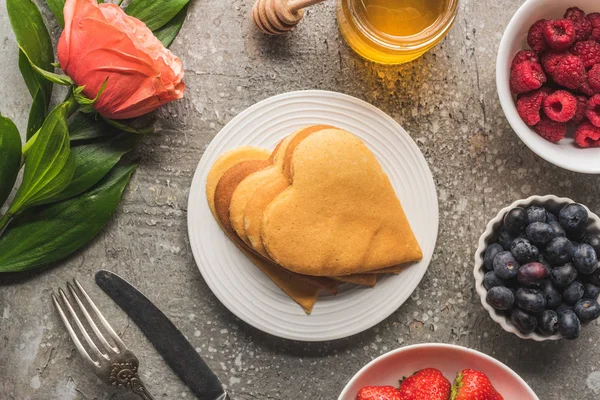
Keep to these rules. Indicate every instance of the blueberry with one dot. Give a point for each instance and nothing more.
(548, 322)
(573, 217)
(559, 251)
(553, 296)
(563, 307)
(490, 253)
(594, 241)
(501, 298)
(505, 238)
(591, 291)
(505, 265)
(524, 251)
(557, 229)
(536, 214)
(573, 293)
(585, 259)
(539, 232)
(531, 300)
(594, 277)
(563, 275)
(542, 260)
(524, 322)
(532, 274)
(587, 310)
(515, 220)
(550, 217)
(568, 324)
(491, 280)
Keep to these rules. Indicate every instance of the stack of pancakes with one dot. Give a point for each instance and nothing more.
(315, 212)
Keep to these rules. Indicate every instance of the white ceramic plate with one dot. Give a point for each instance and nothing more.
(246, 291)
(449, 359)
(564, 154)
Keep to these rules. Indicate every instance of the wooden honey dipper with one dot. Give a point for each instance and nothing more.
(275, 17)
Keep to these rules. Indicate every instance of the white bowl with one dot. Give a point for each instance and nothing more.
(564, 154)
(553, 204)
(389, 368)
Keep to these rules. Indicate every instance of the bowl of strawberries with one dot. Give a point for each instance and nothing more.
(548, 79)
(436, 372)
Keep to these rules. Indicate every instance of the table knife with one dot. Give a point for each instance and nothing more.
(171, 344)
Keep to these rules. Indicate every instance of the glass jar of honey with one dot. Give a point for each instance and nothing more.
(395, 31)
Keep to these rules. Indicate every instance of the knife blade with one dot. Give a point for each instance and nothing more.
(170, 343)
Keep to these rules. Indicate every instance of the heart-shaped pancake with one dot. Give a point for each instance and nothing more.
(340, 215)
(305, 294)
(246, 188)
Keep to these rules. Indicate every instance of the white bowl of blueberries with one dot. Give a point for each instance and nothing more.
(537, 268)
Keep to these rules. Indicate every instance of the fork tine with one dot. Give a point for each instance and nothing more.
(72, 333)
(82, 329)
(103, 320)
(90, 321)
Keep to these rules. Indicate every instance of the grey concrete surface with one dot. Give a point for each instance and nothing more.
(447, 102)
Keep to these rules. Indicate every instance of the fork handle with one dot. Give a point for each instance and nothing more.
(137, 387)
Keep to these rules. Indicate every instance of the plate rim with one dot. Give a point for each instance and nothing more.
(197, 186)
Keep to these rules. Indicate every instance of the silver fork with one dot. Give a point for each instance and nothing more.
(117, 365)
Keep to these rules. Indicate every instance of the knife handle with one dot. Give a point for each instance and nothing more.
(137, 387)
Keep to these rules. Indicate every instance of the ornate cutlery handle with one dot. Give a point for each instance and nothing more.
(137, 387)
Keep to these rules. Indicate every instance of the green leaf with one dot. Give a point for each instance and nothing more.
(93, 161)
(10, 157)
(50, 164)
(128, 128)
(47, 234)
(155, 13)
(48, 76)
(87, 105)
(33, 38)
(169, 32)
(57, 7)
(37, 114)
(87, 127)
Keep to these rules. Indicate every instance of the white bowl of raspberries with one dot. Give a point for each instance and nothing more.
(548, 79)
(537, 268)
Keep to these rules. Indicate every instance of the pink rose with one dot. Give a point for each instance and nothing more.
(101, 42)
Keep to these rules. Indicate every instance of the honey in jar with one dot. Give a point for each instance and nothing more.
(395, 31)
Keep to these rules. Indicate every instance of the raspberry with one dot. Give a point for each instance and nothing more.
(529, 106)
(587, 135)
(583, 27)
(550, 60)
(559, 34)
(535, 37)
(560, 106)
(550, 130)
(594, 78)
(588, 51)
(586, 89)
(570, 72)
(594, 19)
(524, 55)
(593, 110)
(526, 76)
(581, 109)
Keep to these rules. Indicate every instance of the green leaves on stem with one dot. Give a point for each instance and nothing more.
(50, 233)
(50, 165)
(10, 157)
(33, 38)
